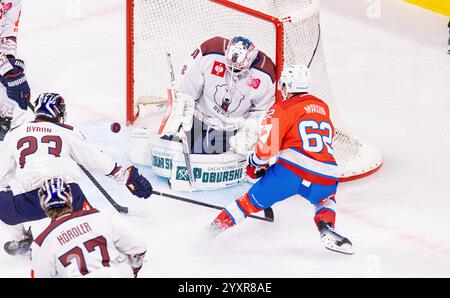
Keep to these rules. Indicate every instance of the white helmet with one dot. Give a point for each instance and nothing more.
(296, 78)
(240, 55)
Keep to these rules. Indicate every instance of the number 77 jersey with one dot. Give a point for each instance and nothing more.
(299, 130)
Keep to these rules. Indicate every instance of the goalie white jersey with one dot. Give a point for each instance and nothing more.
(39, 150)
(222, 103)
(86, 244)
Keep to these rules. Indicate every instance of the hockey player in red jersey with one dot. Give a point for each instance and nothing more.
(299, 131)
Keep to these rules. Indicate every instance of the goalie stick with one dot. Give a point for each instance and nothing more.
(181, 133)
(268, 213)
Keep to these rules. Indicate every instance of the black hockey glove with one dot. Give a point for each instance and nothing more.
(13, 78)
(138, 184)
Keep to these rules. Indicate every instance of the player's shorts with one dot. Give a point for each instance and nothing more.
(26, 207)
(280, 183)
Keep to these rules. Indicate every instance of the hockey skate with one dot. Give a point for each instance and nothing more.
(20, 247)
(212, 231)
(5, 125)
(333, 241)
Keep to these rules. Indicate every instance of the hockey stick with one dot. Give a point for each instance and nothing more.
(181, 133)
(119, 208)
(268, 213)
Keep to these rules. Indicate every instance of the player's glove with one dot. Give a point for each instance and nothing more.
(135, 182)
(13, 78)
(138, 184)
(256, 168)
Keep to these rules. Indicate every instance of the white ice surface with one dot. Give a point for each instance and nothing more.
(390, 77)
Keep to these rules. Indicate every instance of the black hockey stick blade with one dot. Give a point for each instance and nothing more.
(268, 213)
(119, 208)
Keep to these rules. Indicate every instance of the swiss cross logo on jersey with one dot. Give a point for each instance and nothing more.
(218, 69)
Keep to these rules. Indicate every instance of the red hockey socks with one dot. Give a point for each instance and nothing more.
(325, 211)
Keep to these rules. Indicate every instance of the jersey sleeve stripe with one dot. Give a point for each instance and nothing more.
(216, 45)
(309, 164)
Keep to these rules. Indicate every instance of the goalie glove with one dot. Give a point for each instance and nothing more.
(137, 184)
(246, 137)
(180, 112)
(13, 78)
(136, 262)
(256, 167)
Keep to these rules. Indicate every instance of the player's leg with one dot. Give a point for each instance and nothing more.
(12, 221)
(277, 185)
(5, 126)
(323, 199)
(6, 115)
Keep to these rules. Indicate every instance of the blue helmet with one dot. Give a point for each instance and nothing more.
(55, 193)
(50, 107)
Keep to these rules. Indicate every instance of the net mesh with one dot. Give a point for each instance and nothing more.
(181, 26)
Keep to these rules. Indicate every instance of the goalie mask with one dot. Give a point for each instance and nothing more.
(240, 55)
(55, 193)
(50, 107)
(295, 78)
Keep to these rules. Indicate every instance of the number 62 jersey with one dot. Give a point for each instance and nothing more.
(37, 151)
(299, 130)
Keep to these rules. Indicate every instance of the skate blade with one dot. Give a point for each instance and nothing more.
(347, 250)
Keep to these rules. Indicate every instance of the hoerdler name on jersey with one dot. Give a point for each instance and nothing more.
(38, 129)
(68, 235)
(312, 108)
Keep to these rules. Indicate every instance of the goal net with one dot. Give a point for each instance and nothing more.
(288, 31)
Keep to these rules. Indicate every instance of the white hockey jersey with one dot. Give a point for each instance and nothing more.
(221, 103)
(39, 150)
(10, 12)
(85, 244)
(9, 17)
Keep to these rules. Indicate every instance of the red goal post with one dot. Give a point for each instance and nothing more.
(279, 54)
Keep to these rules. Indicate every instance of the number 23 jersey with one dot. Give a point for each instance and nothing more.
(38, 151)
(300, 131)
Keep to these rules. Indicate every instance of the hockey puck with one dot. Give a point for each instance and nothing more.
(115, 127)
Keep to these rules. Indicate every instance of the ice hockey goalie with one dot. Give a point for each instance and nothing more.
(220, 97)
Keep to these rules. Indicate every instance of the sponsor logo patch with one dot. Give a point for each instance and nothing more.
(218, 69)
(254, 83)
